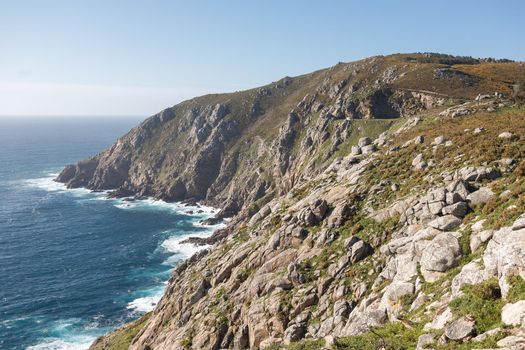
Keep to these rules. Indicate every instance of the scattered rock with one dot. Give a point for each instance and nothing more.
(424, 340)
(440, 255)
(368, 149)
(489, 333)
(478, 130)
(505, 135)
(471, 273)
(460, 328)
(440, 320)
(473, 174)
(481, 196)
(419, 163)
(477, 238)
(439, 140)
(514, 314)
(458, 209)
(519, 223)
(364, 141)
(445, 223)
(512, 342)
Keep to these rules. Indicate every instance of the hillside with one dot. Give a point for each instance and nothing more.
(374, 204)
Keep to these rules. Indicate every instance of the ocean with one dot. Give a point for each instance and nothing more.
(74, 264)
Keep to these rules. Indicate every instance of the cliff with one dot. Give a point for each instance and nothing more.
(377, 203)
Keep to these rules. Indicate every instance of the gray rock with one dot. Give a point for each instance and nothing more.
(478, 130)
(440, 320)
(458, 209)
(442, 253)
(356, 150)
(519, 223)
(360, 250)
(439, 140)
(294, 332)
(471, 273)
(458, 191)
(514, 314)
(424, 340)
(512, 342)
(419, 163)
(473, 174)
(481, 196)
(364, 141)
(445, 223)
(505, 135)
(460, 328)
(505, 256)
(487, 334)
(477, 238)
(368, 149)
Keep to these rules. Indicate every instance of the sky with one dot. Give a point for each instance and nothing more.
(127, 57)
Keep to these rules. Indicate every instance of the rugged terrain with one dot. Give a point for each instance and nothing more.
(374, 204)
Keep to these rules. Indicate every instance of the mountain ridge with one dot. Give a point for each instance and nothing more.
(363, 198)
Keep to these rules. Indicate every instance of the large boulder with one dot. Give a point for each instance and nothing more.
(514, 314)
(445, 223)
(440, 255)
(471, 273)
(505, 256)
(473, 174)
(481, 196)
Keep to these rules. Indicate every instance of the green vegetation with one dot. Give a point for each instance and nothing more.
(307, 344)
(483, 302)
(488, 343)
(517, 289)
(122, 337)
(392, 336)
(488, 150)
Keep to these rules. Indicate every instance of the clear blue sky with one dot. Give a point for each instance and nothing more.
(136, 57)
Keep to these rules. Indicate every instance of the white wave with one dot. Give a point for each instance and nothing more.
(126, 205)
(59, 344)
(198, 210)
(67, 335)
(48, 183)
(149, 299)
(144, 304)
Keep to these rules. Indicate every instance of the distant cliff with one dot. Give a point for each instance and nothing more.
(374, 204)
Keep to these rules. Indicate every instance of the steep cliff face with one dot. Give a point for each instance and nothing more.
(239, 149)
(379, 204)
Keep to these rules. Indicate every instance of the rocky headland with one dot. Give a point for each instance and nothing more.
(377, 204)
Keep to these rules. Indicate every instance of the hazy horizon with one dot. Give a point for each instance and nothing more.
(64, 58)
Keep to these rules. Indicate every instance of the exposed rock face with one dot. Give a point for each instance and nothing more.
(339, 225)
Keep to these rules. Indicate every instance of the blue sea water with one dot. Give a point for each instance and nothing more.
(74, 264)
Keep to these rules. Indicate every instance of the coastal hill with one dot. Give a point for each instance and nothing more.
(374, 204)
